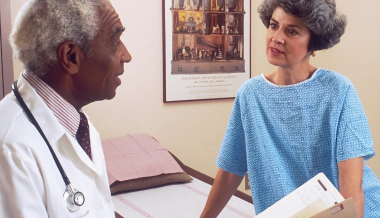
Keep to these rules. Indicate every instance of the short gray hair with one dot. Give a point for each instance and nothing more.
(42, 25)
(325, 23)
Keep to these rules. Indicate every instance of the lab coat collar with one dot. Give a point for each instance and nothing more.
(52, 129)
(49, 124)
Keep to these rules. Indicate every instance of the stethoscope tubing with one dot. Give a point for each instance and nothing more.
(72, 197)
(34, 122)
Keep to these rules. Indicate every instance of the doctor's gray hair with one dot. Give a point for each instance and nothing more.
(325, 23)
(42, 25)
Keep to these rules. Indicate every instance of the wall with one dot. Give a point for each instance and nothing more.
(193, 131)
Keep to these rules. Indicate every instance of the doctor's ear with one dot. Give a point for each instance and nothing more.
(68, 55)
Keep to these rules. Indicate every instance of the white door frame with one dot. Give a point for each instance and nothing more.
(6, 61)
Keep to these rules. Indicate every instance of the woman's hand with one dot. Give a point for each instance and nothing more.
(350, 182)
(225, 185)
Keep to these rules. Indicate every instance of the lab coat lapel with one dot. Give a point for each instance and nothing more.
(81, 154)
(97, 153)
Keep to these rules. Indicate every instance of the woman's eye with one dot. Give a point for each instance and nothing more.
(273, 25)
(293, 32)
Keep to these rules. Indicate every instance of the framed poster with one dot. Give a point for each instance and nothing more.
(206, 48)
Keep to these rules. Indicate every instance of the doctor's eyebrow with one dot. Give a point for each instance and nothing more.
(118, 31)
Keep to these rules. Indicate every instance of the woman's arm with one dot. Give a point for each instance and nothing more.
(225, 185)
(350, 182)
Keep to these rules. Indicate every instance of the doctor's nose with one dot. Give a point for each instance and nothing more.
(125, 55)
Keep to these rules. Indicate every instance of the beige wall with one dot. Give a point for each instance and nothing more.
(194, 130)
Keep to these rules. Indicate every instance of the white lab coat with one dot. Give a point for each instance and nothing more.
(30, 182)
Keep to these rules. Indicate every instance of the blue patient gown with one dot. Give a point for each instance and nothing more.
(285, 135)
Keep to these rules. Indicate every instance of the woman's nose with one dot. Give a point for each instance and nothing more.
(278, 37)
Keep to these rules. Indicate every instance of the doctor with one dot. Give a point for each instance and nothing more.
(73, 56)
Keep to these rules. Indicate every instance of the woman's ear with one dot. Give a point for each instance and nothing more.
(69, 56)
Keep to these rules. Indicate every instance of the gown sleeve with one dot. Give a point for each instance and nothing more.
(232, 153)
(354, 136)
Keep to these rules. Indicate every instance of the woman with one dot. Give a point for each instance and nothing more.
(288, 125)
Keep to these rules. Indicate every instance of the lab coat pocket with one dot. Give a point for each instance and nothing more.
(82, 212)
(87, 214)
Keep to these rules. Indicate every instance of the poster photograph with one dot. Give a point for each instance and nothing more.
(206, 48)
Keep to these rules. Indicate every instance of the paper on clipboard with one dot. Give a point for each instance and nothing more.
(317, 188)
(311, 210)
(345, 209)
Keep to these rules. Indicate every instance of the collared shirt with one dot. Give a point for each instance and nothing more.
(66, 114)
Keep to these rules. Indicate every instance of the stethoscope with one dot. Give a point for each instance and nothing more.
(72, 197)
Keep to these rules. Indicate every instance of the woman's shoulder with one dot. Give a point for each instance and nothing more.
(330, 76)
(256, 80)
(252, 83)
(333, 80)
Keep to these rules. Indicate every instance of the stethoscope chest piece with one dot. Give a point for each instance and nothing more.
(73, 198)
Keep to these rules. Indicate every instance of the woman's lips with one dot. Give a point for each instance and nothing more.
(275, 52)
